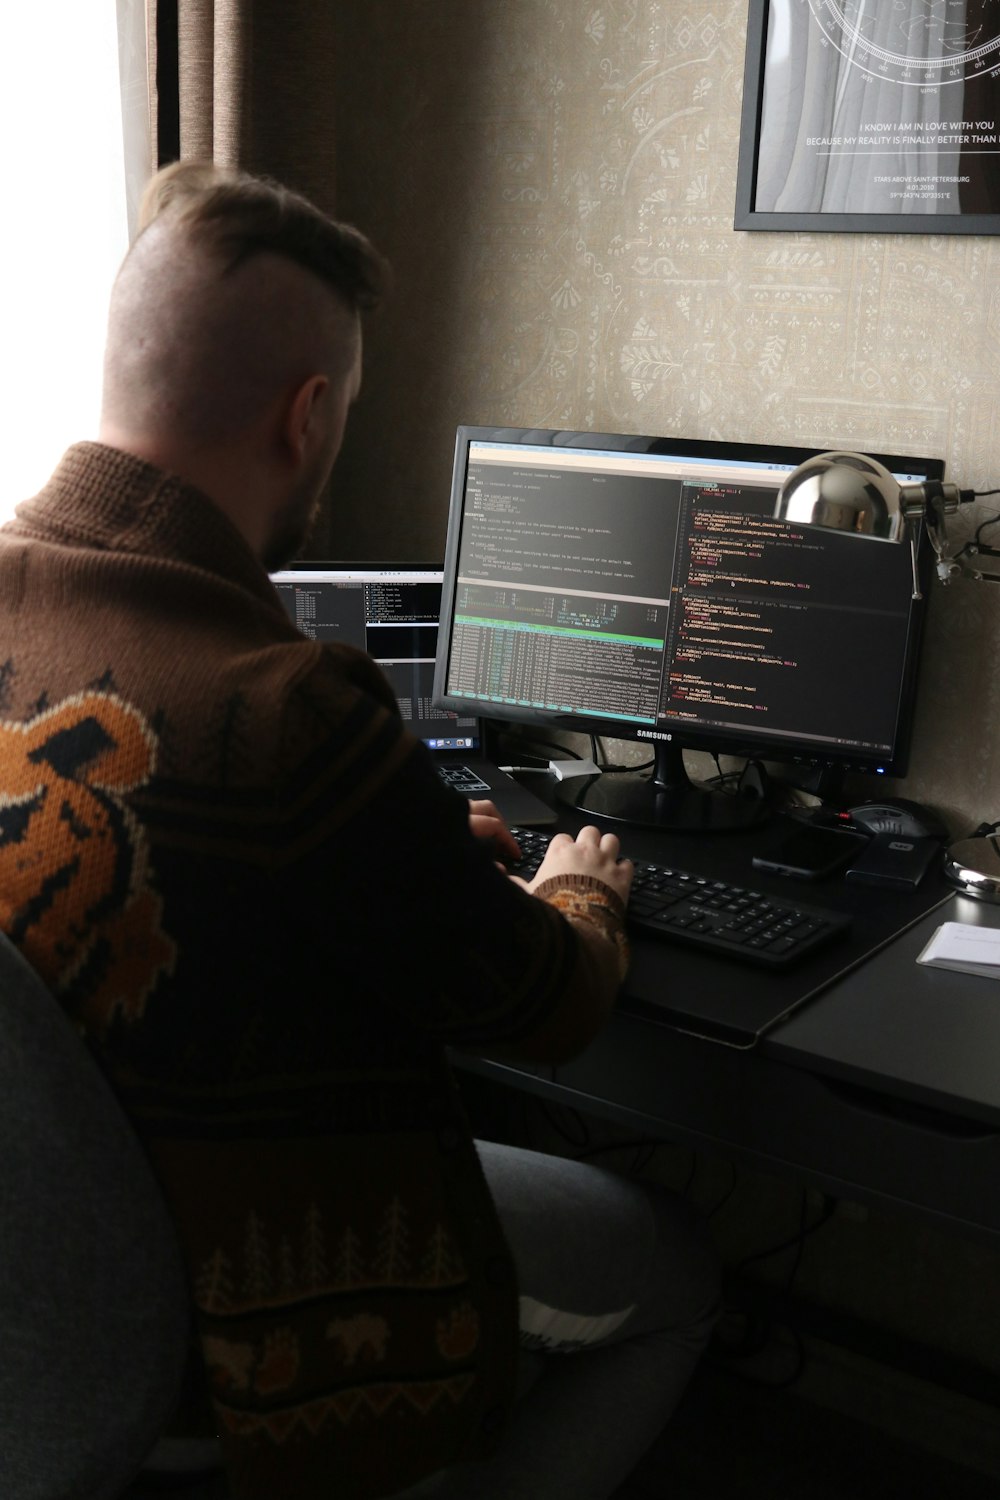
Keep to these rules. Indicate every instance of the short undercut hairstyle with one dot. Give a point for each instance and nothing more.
(239, 216)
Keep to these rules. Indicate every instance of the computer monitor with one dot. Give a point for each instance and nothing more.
(639, 587)
(390, 610)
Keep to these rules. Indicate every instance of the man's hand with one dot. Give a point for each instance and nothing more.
(486, 823)
(590, 853)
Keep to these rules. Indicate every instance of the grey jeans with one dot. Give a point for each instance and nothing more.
(619, 1292)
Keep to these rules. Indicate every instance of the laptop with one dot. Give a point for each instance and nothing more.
(391, 610)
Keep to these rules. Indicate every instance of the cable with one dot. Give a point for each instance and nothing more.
(733, 1183)
(598, 756)
(723, 779)
(582, 1140)
(643, 1156)
(621, 770)
(983, 525)
(528, 746)
(644, 1148)
(749, 1334)
(827, 1213)
(757, 1326)
(638, 1144)
(796, 1240)
(975, 545)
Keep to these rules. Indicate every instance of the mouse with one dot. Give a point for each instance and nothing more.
(902, 816)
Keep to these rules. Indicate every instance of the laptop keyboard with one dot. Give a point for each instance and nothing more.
(733, 921)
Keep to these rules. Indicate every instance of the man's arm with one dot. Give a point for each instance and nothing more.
(413, 910)
(589, 883)
(474, 957)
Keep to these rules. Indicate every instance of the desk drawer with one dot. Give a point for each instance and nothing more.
(849, 1142)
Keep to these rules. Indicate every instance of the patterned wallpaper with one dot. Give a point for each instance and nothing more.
(554, 182)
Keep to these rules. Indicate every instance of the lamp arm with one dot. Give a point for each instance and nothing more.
(938, 494)
(949, 568)
(930, 502)
(977, 549)
(853, 493)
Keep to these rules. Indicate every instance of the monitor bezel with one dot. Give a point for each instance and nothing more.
(712, 740)
(336, 570)
(325, 565)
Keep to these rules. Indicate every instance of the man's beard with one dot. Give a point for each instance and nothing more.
(292, 529)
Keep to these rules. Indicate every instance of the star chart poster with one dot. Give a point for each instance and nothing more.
(872, 114)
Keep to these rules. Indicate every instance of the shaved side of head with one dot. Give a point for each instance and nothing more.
(202, 353)
(235, 291)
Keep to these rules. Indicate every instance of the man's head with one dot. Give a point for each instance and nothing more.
(234, 345)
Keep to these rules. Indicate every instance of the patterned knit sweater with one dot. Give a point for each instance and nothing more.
(248, 887)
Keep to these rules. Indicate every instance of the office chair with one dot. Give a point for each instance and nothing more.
(94, 1309)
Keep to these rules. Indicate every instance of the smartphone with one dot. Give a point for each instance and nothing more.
(811, 853)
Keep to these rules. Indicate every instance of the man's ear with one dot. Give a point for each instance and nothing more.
(302, 413)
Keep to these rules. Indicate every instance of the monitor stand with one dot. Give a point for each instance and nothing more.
(667, 798)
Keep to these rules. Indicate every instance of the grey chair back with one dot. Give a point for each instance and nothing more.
(94, 1308)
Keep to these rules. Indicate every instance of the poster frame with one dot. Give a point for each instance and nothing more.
(748, 217)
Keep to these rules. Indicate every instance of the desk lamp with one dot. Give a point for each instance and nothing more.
(852, 493)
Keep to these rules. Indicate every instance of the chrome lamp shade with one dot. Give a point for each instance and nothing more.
(855, 494)
(844, 492)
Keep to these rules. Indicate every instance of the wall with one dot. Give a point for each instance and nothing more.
(554, 182)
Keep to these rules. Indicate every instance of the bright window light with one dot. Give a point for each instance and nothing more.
(65, 227)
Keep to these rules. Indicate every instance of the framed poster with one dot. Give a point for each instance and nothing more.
(871, 115)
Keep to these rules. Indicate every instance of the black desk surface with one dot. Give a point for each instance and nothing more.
(860, 1071)
(732, 1001)
(928, 1035)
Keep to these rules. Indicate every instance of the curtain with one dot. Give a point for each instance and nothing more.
(134, 82)
(247, 83)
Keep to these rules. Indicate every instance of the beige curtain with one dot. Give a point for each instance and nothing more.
(255, 85)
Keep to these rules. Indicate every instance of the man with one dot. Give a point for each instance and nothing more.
(247, 885)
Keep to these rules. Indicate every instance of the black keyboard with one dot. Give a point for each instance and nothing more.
(730, 920)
